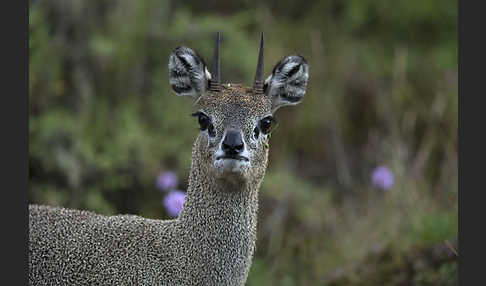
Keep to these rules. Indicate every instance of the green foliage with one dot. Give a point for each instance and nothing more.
(418, 266)
(382, 91)
(436, 227)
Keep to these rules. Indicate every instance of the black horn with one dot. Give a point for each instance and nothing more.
(258, 84)
(215, 81)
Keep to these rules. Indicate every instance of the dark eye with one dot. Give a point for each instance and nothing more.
(266, 124)
(203, 119)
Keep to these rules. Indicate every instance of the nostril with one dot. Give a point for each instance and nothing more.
(226, 147)
(239, 147)
(232, 149)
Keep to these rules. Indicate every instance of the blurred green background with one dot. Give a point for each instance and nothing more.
(383, 91)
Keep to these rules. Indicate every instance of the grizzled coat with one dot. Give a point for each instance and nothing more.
(213, 240)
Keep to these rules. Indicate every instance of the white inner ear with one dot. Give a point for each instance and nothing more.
(289, 66)
(268, 80)
(208, 74)
(189, 59)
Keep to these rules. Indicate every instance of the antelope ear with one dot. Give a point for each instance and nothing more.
(188, 74)
(288, 81)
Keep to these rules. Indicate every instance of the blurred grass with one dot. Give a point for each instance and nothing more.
(382, 91)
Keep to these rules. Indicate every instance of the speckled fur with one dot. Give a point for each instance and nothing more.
(211, 242)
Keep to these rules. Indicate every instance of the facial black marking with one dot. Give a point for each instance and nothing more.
(211, 130)
(256, 132)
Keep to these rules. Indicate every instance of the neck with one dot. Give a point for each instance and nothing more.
(218, 225)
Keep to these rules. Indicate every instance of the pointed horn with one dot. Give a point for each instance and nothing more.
(258, 84)
(215, 82)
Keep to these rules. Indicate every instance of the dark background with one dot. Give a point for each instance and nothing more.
(382, 91)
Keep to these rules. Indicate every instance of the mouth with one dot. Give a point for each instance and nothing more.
(232, 157)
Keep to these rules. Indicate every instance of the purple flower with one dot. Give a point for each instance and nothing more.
(167, 181)
(382, 178)
(173, 202)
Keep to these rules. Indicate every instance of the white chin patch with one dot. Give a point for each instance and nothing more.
(226, 166)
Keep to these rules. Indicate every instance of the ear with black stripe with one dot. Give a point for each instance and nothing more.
(288, 81)
(188, 74)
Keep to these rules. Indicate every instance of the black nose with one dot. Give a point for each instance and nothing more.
(232, 143)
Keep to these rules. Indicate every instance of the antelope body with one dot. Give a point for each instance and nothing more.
(213, 239)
